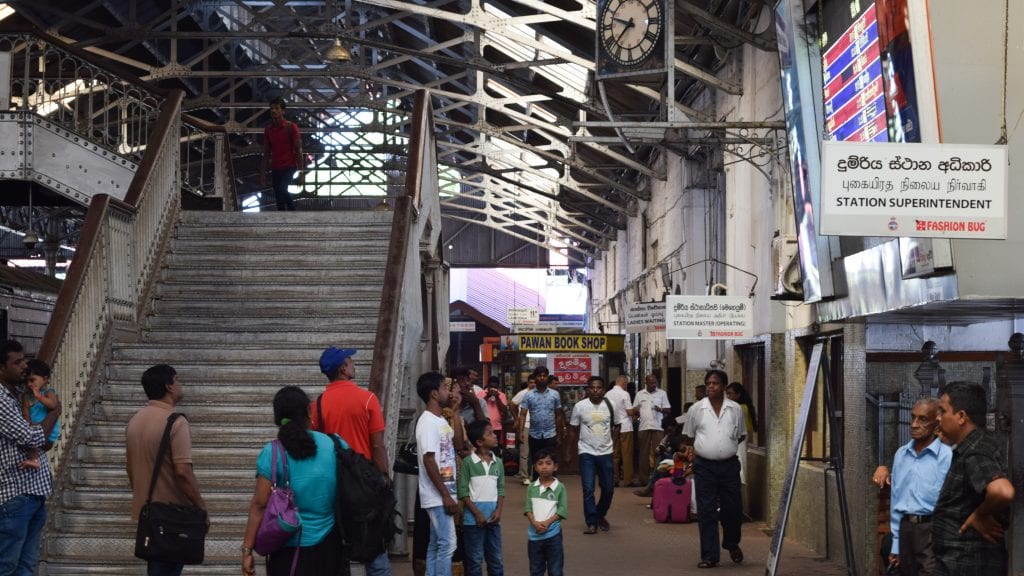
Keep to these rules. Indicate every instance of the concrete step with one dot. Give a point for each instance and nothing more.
(342, 219)
(235, 293)
(288, 276)
(368, 255)
(255, 392)
(263, 307)
(223, 524)
(240, 413)
(338, 247)
(118, 502)
(205, 434)
(196, 373)
(112, 476)
(149, 354)
(236, 321)
(103, 549)
(309, 337)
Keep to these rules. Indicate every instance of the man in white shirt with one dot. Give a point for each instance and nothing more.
(524, 444)
(623, 454)
(651, 404)
(714, 428)
(594, 424)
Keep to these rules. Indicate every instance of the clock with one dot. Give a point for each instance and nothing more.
(630, 36)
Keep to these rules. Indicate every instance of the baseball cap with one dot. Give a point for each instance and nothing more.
(333, 357)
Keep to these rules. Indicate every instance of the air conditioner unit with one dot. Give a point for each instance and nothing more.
(786, 268)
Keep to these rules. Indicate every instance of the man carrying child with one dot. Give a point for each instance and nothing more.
(482, 491)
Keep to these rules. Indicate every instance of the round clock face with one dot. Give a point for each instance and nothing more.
(629, 29)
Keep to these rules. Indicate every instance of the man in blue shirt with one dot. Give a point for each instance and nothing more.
(918, 471)
(547, 418)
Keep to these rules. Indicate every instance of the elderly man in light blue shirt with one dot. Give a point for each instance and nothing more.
(918, 471)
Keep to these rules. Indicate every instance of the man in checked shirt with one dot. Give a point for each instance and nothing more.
(970, 518)
(23, 491)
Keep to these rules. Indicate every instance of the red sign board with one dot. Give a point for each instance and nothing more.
(574, 368)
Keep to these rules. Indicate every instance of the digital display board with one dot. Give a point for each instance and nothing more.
(854, 92)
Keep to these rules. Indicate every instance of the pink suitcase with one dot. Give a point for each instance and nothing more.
(671, 502)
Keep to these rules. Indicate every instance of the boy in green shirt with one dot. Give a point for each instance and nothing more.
(482, 491)
(547, 504)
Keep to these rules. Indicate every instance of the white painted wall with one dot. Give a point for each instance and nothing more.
(968, 40)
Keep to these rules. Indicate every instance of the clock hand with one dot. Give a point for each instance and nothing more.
(628, 23)
(624, 29)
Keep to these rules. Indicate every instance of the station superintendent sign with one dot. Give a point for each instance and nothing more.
(709, 317)
(566, 342)
(913, 190)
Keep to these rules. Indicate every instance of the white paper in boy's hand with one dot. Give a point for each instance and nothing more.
(543, 509)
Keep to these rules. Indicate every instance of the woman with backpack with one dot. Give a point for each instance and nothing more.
(307, 465)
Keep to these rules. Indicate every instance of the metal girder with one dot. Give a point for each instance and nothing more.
(564, 251)
(727, 29)
(228, 51)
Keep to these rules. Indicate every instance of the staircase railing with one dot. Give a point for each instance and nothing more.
(113, 270)
(405, 343)
(105, 105)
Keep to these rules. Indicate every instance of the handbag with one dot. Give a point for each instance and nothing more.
(171, 533)
(281, 518)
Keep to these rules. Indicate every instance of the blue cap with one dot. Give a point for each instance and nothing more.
(333, 357)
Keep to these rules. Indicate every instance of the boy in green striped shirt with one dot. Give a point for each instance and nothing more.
(546, 507)
(482, 491)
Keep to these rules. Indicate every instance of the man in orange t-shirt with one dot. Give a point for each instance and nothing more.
(354, 414)
(349, 411)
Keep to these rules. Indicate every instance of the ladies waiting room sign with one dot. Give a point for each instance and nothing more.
(913, 190)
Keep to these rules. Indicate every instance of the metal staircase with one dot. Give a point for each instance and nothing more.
(244, 305)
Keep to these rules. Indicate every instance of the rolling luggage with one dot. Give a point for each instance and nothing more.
(671, 502)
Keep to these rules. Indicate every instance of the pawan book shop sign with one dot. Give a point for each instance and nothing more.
(709, 317)
(913, 190)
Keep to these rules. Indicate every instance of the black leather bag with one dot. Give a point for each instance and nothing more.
(169, 532)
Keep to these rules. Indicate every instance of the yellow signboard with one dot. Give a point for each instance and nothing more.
(565, 342)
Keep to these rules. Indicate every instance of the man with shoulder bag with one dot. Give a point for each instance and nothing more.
(165, 494)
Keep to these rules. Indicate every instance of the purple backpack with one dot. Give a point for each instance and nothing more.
(281, 518)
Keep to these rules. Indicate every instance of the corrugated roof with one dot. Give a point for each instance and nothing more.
(493, 293)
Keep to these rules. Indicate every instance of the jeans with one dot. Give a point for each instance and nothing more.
(155, 568)
(482, 542)
(279, 180)
(604, 468)
(379, 566)
(717, 483)
(21, 521)
(442, 542)
(546, 553)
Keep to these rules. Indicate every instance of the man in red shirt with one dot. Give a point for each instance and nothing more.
(354, 414)
(349, 411)
(282, 155)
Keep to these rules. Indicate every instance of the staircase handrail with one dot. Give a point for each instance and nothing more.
(113, 271)
(389, 354)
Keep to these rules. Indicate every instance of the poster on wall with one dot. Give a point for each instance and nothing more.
(919, 190)
(709, 317)
(574, 368)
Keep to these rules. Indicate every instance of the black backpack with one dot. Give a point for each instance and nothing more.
(365, 508)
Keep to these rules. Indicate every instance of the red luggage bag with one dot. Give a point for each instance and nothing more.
(671, 501)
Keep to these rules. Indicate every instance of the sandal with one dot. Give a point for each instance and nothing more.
(590, 530)
(736, 555)
(707, 564)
